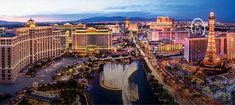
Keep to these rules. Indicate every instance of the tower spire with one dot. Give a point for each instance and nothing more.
(211, 58)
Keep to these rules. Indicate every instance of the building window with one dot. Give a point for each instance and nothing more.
(3, 71)
(3, 57)
(9, 57)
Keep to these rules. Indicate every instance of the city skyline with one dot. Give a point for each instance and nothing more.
(165, 52)
(59, 10)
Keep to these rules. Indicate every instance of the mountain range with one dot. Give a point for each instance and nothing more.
(111, 19)
(90, 20)
(8, 23)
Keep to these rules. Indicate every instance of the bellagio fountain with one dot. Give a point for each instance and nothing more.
(115, 76)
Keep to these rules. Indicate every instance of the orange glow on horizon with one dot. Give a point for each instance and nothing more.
(25, 19)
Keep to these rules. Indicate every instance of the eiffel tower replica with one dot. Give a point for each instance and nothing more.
(211, 59)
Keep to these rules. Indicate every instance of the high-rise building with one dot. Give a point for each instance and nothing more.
(231, 45)
(115, 28)
(127, 22)
(133, 27)
(92, 39)
(174, 35)
(25, 47)
(211, 57)
(165, 19)
(69, 29)
(163, 23)
(163, 29)
(195, 48)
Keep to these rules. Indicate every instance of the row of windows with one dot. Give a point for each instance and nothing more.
(3, 57)
(5, 42)
(8, 57)
(8, 71)
(4, 75)
(9, 78)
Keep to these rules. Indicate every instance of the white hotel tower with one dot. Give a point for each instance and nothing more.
(26, 46)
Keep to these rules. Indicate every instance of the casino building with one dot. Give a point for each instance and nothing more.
(164, 29)
(174, 35)
(129, 26)
(27, 46)
(231, 46)
(195, 48)
(69, 29)
(163, 23)
(92, 39)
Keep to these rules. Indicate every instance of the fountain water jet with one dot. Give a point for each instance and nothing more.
(116, 77)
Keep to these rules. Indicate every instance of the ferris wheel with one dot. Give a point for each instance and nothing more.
(198, 27)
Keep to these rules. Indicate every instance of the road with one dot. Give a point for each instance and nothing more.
(152, 63)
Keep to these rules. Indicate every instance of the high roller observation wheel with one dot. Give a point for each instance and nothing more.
(203, 24)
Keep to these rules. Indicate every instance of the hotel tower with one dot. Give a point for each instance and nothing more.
(31, 44)
(26, 46)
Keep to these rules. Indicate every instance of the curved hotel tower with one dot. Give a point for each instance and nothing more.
(26, 46)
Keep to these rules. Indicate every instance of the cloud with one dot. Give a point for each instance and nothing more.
(186, 9)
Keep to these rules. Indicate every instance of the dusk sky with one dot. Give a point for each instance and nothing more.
(61, 10)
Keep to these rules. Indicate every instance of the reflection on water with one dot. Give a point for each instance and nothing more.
(130, 78)
(233, 98)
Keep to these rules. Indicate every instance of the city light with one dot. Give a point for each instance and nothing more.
(122, 52)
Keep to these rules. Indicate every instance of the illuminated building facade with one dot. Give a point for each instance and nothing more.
(211, 58)
(176, 35)
(92, 39)
(169, 47)
(165, 20)
(166, 49)
(195, 48)
(163, 23)
(115, 28)
(26, 47)
(163, 29)
(69, 29)
(127, 23)
(133, 27)
(231, 45)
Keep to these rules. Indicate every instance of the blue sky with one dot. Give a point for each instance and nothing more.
(60, 10)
